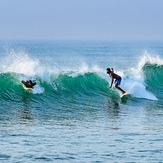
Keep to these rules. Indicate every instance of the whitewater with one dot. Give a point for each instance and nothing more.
(72, 114)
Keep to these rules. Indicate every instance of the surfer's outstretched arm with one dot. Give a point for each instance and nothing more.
(112, 80)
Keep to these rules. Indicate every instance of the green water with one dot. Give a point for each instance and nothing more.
(72, 115)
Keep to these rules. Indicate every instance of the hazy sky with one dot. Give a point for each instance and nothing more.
(81, 19)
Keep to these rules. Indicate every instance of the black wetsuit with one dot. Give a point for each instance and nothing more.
(115, 76)
(29, 84)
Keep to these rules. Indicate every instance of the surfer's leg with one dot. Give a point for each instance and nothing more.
(117, 86)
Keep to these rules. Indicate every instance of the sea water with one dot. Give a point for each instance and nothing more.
(72, 115)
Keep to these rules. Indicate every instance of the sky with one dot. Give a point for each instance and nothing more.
(81, 19)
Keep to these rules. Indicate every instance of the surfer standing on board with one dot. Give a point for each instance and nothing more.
(117, 79)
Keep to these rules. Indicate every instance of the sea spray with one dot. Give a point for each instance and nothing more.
(19, 62)
(135, 78)
(78, 78)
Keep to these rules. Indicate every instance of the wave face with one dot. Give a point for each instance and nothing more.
(154, 78)
(143, 81)
(61, 87)
(152, 67)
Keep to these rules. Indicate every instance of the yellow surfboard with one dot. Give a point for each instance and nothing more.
(124, 94)
(27, 89)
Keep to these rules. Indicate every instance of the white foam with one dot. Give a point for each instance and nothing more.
(38, 89)
(133, 80)
(82, 69)
(149, 58)
(20, 62)
(137, 89)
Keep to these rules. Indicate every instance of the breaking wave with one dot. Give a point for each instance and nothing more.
(143, 81)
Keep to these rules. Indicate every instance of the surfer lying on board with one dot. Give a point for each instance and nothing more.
(29, 83)
(117, 79)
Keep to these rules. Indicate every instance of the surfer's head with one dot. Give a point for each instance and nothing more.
(108, 71)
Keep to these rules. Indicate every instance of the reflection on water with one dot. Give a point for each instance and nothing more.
(106, 129)
(25, 115)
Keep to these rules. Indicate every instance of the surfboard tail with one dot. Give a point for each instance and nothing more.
(124, 94)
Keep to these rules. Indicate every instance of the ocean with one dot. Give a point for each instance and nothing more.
(72, 115)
